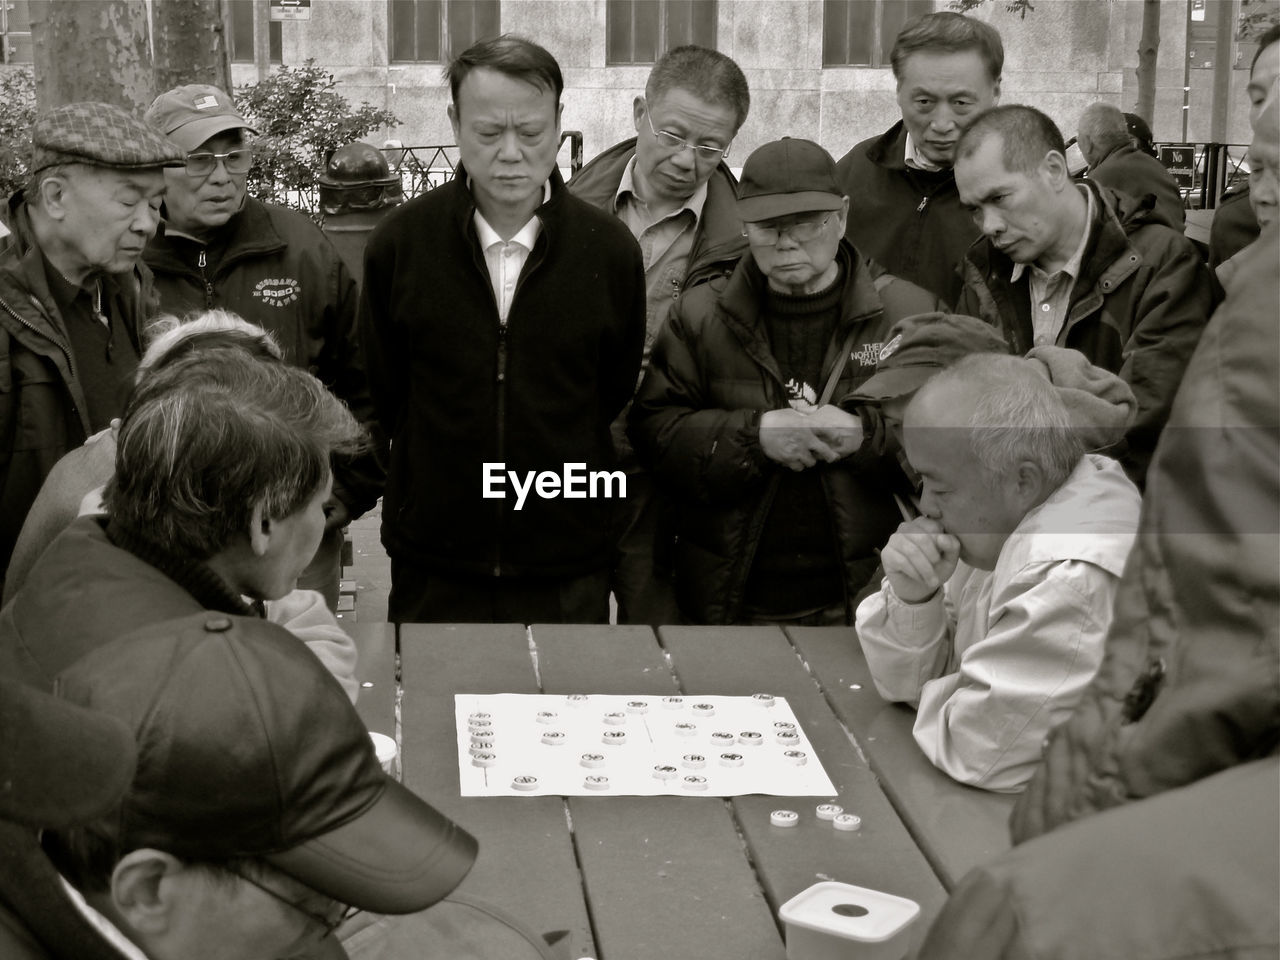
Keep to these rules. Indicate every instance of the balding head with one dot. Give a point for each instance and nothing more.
(1102, 128)
(991, 439)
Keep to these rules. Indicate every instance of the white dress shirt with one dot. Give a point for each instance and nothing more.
(506, 258)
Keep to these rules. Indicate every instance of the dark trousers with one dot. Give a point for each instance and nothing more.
(419, 595)
(645, 592)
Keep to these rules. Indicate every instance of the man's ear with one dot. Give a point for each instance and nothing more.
(1054, 170)
(53, 195)
(452, 111)
(638, 108)
(143, 891)
(1029, 485)
(260, 530)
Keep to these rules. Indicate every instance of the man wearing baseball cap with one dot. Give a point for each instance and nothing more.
(72, 293)
(258, 817)
(219, 247)
(779, 512)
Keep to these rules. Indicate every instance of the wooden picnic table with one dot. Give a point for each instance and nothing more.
(638, 878)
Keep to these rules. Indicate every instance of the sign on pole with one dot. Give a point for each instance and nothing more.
(1180, 160)
(290, 9)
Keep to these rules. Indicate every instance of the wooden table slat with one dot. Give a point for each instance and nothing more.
(527, 864)
(882, 855)
(665, 877)
(956, 826)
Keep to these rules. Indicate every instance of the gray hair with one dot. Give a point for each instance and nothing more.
(169, 337)
(1018, 416)
(707, 74)
(948, 32)
(1104, 126)
(215, 434)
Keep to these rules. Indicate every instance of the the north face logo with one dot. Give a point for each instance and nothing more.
(277, 291)
(866, 354)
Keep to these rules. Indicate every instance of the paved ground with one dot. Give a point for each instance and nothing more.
(371, 570)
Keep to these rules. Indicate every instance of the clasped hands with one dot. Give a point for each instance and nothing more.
(798, 439)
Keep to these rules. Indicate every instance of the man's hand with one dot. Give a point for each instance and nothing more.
(919, 558)
(336, 514)
(786, 437)
(840, 430)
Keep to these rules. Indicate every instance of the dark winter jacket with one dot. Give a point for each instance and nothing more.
(1137, 309)
(696, 425)
(43, 410)
(457, 389)
(1234, 226)
(1126, 169)
(718, 242)
(909, 221)
(1190, 679)
(275, 268)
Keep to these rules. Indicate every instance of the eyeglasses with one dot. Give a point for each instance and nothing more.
(801, 232)
(337, 914)
(703, 151)
(203, 164)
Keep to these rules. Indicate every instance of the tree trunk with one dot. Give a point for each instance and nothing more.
(91, 50)
(190, 44)
(1148, 48)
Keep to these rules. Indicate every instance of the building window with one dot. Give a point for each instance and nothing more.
(860, 33)
(242, 21)
(641, 31)
(435, 31)
(15, 31)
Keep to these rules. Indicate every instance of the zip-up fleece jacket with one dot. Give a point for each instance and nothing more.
(696, 425)
(909, 221)
(1138, 308)
(718, 243)
(457, 389)
(274, 267)
(43, 411)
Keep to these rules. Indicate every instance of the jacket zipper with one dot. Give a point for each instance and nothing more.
(202, 262)
(66, 350)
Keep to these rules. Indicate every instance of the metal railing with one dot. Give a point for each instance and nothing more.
(424, 168)
(1217, 167)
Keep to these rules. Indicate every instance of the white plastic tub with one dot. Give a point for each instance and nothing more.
(838, 921)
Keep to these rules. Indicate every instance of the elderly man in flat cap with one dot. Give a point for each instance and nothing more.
(72, 291)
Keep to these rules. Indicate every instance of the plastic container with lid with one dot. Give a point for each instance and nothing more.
(838, 921)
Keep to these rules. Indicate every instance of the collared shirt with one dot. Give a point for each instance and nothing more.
(914, 158)
(665, 244)
(506, 258)
(105, 928)
(1051, 293)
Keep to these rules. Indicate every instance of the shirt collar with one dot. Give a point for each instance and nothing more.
(914, 158)
(627, 186)
(526, 236)
(1072, 266)
(104, 927)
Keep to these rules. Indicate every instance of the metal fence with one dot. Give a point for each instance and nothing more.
(426, 167)
(1216, 167)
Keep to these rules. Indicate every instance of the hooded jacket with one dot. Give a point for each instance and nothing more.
(1126, 169)
(1189, 682)
(696, 425)
(274, 268)
(718, 242)
(43, 410)
(465, 396)
(909, 221)
(1137, 309)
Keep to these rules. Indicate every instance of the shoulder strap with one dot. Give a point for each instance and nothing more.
(838, 369)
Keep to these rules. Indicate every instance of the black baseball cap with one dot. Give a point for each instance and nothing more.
(248, 747)
(788, 176)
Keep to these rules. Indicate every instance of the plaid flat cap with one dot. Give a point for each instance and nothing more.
(100, 134)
